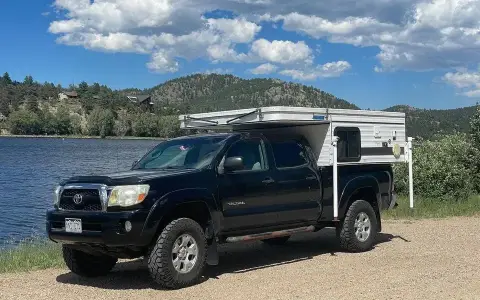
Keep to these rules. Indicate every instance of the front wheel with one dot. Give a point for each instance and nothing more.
(178, 258)
(359, 228)
(87, 265)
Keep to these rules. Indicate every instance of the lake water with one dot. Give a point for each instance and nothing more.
(30, 168)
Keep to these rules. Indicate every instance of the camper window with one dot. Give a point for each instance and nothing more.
(348, 143)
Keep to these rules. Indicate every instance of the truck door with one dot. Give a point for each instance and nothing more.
(298, 184)
(246, 195)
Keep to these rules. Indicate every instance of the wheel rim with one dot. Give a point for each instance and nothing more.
(362, 227)
(184, 253)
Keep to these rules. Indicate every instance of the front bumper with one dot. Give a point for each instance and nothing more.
(99, 227)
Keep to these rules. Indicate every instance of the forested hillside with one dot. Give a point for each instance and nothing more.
(30, 107)
(425, 123)
(198, 93)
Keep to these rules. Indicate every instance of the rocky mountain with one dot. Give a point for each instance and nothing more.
(200, 92)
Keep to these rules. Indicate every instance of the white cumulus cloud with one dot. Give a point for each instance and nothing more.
(218, 71)
(162, 63)
(235, 30)
(409, 34)
(429, 35)
(468, 82)
(65, 26)
(331, 69)
(284, 52)
(266, 68)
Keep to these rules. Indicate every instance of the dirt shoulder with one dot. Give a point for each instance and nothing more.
(426, 259)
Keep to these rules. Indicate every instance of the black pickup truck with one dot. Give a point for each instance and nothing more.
(189, 194)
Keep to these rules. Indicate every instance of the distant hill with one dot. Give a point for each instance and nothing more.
(200, 93)
(425, 123)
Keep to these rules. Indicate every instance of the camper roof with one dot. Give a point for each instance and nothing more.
(275, 116)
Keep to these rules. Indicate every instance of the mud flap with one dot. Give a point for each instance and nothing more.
(212, 253)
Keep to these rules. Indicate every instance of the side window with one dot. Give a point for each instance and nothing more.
(252, 153)
(348, 143)
(288, 154)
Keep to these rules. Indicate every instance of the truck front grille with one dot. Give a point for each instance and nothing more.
(90, 199)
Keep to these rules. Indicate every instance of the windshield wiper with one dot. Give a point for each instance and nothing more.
(174, 168)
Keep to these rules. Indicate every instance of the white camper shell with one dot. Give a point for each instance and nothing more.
(381, 135)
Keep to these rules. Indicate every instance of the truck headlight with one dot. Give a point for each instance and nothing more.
(56, 195)
(128, 195)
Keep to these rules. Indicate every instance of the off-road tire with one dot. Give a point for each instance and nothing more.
(160, 263)
(278, 241)
(346, 232)
(87, 265)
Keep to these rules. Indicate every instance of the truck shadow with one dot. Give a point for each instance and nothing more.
(234, 258)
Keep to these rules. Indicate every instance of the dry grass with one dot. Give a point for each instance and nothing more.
(30, 255)
(432, 208)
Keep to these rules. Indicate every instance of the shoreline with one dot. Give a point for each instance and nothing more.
(80, 137)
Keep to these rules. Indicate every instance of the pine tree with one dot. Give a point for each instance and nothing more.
(6, 78)
(83, 89)
(28, 80)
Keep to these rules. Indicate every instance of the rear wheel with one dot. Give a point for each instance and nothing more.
(178, 258)
(277, 241)
(87, 265)
(359, 228)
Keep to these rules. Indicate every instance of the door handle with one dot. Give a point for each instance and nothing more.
(311, 177)
(268, 181)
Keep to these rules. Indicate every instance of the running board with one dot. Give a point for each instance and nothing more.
(269, 235)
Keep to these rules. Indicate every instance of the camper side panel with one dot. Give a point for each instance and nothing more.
(378, 137)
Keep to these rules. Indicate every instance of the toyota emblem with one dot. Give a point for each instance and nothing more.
(78, 199)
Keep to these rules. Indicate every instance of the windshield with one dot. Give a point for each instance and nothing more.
(186, 153)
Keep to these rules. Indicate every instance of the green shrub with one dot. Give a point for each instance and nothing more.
(24, 122)
(440, 169)
(123, 124)
(474, 153)
(63, 121)
(169, 127)
(101, 122)
(145, 125)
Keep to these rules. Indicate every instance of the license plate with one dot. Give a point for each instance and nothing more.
(73, 225)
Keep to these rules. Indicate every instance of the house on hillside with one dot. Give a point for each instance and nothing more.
(142, 100)
(67, 95)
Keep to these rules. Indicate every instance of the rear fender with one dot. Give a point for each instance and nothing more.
(353, 186)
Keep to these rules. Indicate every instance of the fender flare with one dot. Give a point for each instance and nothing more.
(167, 203)
(355, 184)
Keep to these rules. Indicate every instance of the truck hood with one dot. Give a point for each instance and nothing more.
(128, 177)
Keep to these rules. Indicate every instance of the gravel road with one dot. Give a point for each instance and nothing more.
(427, 259)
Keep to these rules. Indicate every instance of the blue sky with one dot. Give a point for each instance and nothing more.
(375, 54)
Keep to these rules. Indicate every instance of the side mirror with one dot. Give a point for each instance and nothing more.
(234, 163)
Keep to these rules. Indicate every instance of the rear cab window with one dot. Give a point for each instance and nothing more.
(289, 154)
